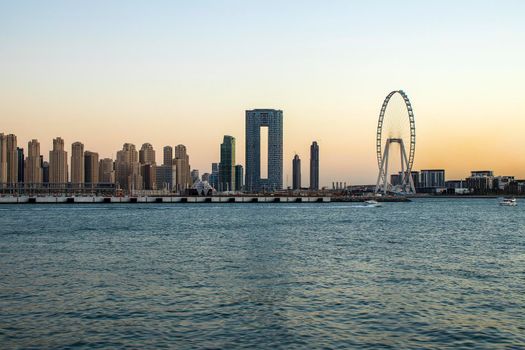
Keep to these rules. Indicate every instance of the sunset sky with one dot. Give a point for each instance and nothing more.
(184, 72)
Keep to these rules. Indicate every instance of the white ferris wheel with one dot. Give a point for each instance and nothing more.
(402, 134)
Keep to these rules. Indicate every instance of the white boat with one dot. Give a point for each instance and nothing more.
(508, 202)
(372, 203)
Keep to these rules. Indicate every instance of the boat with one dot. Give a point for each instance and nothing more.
(372, 203)
(508, 202)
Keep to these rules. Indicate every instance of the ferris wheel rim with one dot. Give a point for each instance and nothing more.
(379, 133)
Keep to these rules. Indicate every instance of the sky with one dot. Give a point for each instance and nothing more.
(184, 72)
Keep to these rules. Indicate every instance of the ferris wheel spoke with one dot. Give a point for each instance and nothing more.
(382, 151)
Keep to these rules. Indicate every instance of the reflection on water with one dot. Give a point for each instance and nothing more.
(427, 274)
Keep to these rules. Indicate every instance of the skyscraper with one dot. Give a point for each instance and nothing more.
(147, 154)
(58, 172)
(148, 172)
(21, 162)
(239, 178)
(296, 167)
(77, 164)
(314, 166)
(33, 164)
(12, 159)
(148, 166)
(227, 164)
(168, 155)
(195, 176)
(45, 171)
(3, 158)
(106, 171)
(165, 176)
(182, 161)
(91, 168)
(255, 119)
(214, 176)
(127, 168)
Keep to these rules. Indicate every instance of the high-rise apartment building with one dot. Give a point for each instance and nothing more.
(165, 176)
(296, 173)
(135, 179)
(33, 164)
(182, 162)
(77, 164)
(181, 180)
(106, 171)
(91, 168)
(21, 164)
(147, 154)
(195, 176)
(255, 119)
(168, 155)
(127, 168)
(227, 164)
(148, 166)
(314, 166)
(239, 178)
(214, 176)
(45, 171)
(3, 158)
(11, 159)
(58, 169)
(148, 172)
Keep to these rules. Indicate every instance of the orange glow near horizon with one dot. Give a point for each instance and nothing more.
(113, 75)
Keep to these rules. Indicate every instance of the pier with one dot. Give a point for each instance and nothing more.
(168, 199)
(193, 199)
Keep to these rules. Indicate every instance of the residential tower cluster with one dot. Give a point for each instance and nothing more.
(136, 170)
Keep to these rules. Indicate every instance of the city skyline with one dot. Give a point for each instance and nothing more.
(462, 69)
(134, 170)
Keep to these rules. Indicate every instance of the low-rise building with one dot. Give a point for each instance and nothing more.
(501, 183)
(481, 181)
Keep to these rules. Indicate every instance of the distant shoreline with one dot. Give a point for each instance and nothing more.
(493, 196)
(225, 199)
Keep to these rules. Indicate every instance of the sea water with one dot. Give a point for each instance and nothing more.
(432, 273)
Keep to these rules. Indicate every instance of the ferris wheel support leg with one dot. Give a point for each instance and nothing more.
(401, 154)
(379, 176)
(385, 179)
(382, 173)
(407, 178)
(412, 187)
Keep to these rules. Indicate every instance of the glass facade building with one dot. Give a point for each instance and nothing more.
(20, 153)
(255, 119)
(239, 178)
(432, 178)
(227, 164)
(296, 168)
(314, 166)
(214, 176)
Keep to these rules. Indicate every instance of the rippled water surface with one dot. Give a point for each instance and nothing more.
(428, 274)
